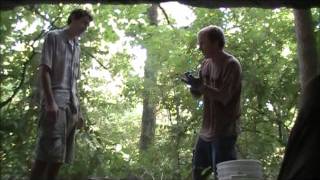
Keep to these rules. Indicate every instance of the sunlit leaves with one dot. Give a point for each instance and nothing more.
(111, 90)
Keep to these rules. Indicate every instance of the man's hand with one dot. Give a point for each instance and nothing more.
(52, 111)
(191, 80)
(80, 123)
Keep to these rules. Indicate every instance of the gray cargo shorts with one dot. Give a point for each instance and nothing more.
(55, 143)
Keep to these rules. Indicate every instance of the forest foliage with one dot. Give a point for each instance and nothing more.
(112, 84)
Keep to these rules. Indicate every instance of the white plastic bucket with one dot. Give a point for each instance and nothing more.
(243, 169)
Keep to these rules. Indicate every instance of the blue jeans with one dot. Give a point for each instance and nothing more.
(207, 155)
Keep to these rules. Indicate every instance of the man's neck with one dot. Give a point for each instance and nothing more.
(215, 55)
(71, 34)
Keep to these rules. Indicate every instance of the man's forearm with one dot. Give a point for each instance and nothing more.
(46, 84)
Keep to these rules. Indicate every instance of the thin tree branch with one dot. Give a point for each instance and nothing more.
(26, 63)
(165, 15)
(99, 62)
(23, 73)
(263, 134)
(52, 23)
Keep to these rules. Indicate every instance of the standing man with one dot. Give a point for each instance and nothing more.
(60, 112)
(219, 83)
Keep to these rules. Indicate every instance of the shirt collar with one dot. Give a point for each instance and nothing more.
(65, 36)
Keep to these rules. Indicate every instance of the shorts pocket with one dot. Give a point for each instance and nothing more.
(53, 147)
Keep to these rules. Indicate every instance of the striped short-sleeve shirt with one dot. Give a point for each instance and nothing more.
(62, 57)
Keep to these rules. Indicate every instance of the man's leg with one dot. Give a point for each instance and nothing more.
(53, 170)
(38, 169)
(51, 145)
(201, 162)
(223, 149)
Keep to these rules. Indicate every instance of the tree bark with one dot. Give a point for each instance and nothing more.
(299, 161)
(307, 52)
(148, 114)
(9, 4)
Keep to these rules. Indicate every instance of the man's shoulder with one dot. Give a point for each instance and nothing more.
(233, 63)
(55, 33)
(233, 60)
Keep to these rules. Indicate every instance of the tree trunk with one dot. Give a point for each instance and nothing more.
(148, 115)
(307, 52)
(178, 136)
(299, 161)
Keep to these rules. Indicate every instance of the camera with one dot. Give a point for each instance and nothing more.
(191, 80)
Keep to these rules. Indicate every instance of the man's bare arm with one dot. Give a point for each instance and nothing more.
(46, 84)
(50, 103)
